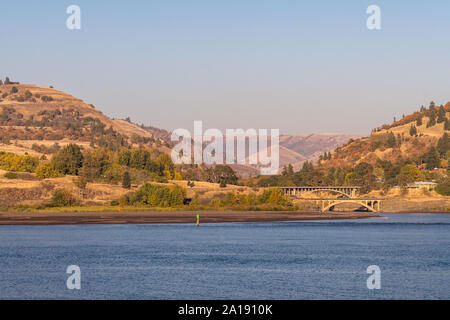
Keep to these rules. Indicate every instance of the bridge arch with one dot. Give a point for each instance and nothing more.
(371, 208)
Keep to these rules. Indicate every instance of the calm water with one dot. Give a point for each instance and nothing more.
(286, 260)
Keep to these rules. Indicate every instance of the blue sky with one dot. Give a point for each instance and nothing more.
(300, 66)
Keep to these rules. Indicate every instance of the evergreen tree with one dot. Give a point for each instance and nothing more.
(432, 105)
(290, 170)
(412, 130)
(431, 158)
(126, 180)
(443, 144)
(419, 121)
(432, 120)
(446, 124)
(391, 143)
(441, 115)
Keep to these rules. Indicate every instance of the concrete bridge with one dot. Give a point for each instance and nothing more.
(371, 204)
(346, 191)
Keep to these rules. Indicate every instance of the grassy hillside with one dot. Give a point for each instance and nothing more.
(407, 138)
(41, 116)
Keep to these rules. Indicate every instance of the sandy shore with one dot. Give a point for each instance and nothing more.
(10, 218)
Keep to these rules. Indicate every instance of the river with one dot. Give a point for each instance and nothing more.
(276, 260)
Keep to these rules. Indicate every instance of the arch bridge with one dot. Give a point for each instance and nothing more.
(346, 191)
(372, 205)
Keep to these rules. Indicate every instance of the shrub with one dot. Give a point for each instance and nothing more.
(124, 200)
(215, 202)
(114, 173)
(273, 196)
(195, 200)
(157, 195)
(80, 182)
(11, 175)
(46, 98)
(14, 90)
(190, 184)
(63, 198)
(47, 170)
(13, 162)
(443, 188)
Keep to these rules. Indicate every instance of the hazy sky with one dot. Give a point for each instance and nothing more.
(300, 66)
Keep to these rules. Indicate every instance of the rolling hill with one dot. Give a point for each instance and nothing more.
(37, 119)
(35, 115)
(407, 138)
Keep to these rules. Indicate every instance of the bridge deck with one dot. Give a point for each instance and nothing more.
(321, 187)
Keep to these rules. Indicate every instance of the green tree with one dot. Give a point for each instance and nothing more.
(126, 180)
(431, 158)
(412, 130)
(432, 105)
(443, 144)
(391, 142)
(95, 163)
(288, 170)
(411, 170)
(432, 120)
(444, 187)
(419, 121)
(165, 165)
(446, 124)
(441, 115)
(363, 168)
(221, 173)
(68, 160)
(63, 198)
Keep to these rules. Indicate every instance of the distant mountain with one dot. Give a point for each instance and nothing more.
(310, 147)
(296, 149)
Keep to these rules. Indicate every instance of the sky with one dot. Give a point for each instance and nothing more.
(299, 66)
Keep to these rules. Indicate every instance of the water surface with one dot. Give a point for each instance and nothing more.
(283, 260)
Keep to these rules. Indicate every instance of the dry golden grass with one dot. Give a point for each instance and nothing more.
(435, 131)
(11, 148)
(66, 101)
